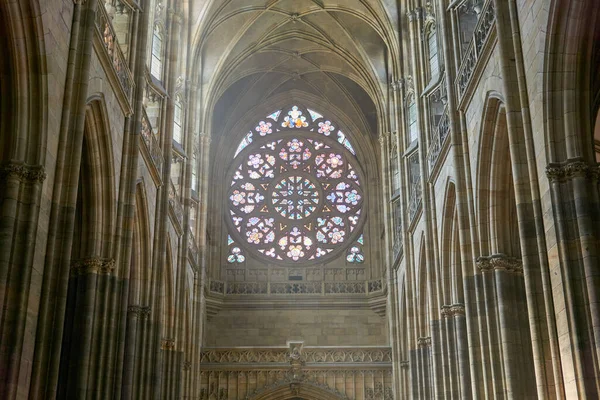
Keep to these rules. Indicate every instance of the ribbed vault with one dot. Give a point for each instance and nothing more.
(336, 51)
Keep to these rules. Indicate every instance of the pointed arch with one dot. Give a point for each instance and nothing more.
(96, 204)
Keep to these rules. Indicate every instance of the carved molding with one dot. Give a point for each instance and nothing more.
(308, 355)
(23, 172)
(499, 262)
(453, 310)
(404, 364)
(93, 265)
(424, 341)
(167, 344)
(139, 311)
(563, 172)
(415, 14)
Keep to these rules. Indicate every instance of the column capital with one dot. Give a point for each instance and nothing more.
(23, 172)
(499, 262)
(573, 168)
(424, 341)
(93, 265)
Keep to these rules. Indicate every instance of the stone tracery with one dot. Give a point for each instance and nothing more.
(295, 196)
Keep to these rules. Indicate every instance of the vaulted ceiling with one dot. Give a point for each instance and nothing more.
(250, 51)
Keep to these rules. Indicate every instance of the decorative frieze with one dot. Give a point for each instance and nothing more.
(93, 265)
(344, 287)
(375, 285)
(246, 288)
(499, 262)
(308, 354)
(213, 392)
(563, 172)
(23, 172)
(379, 392)
(217, 287)
(252, 373)
(296, 288)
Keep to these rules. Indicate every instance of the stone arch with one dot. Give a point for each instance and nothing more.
(423, 295)
(571, 89)
(297, 390)
(23, 117)
(447, 274)
(96, 204)
(496, 201)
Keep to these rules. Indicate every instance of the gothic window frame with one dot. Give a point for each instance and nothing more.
(178, 118)
(433, 58)
(157, 51)
(318, 135)
(412, 120)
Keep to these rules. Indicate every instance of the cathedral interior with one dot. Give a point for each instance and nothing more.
(299, 199)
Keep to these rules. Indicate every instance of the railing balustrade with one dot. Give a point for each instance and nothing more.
(485, 24)
(109, 39)
(151, 143)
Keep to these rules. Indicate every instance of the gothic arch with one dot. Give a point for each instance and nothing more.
(295, 390)
(23, 117)
(97, 182)
(447, 274)
(571, 87)
(496, 202)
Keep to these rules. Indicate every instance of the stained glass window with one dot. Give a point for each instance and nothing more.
(355, 253)
(178, 122)
(413, 132)
(156, 64)
(433, 54)
(295, 192)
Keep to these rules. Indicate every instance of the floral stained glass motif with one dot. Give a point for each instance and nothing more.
(295, 197)
(236, 255)
(355, 253)
(294, 119)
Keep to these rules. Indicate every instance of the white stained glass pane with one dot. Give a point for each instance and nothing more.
(395, 170)
(194, 173)
(412, 122)
(157, 45)
(433, 55)
(177, 125)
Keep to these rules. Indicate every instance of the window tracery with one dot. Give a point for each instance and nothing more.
(295, 192)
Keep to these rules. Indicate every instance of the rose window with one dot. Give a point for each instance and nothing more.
(295, 191)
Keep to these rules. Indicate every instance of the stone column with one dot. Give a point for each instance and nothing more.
(20, 194)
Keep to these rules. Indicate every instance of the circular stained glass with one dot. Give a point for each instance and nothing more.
(295, 197)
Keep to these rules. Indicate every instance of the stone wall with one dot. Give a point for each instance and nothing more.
(314, 327)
